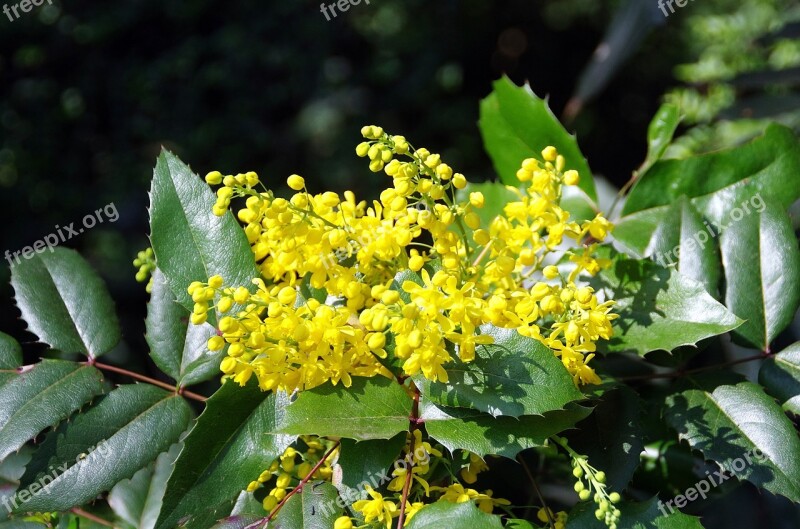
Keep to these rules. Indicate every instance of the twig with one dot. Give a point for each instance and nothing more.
(154, 382)
(413, 424)
(684, 372)
(538, 492)
(89, 516)
(297, 488)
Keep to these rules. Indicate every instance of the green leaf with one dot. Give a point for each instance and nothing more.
(513, 376)
(740, 424)
(42, 396)
(768, 167)
(10, 352)
(10, 356)
(233, 441)
(762, 274)
(244, 521)
(780, 376)
(178, 349)
(445, 514)
(460, 428)
(372, 408)
(312, 508)
(643, 515)
(515, 124)
(659, 134)
(659, 309)
(65, 303)
(138, 500)
(682, 239)
(110, 442)
(189, 241)
(612, 436)
(367, 461)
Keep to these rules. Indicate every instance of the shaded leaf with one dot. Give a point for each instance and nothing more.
(371, 408)
(659, 309)
(513, 376)
(312, 508)
(65, 303)
(233, 441)
(740, 424)
(780, 376)
(138, 500)
(367, 461)
(459, 428)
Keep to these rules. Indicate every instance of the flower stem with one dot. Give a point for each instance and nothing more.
(154, 382)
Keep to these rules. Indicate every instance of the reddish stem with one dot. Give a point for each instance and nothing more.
(413, 424)
(154, 382)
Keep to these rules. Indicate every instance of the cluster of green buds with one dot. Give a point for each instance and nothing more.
(146, 263)
(591, 480)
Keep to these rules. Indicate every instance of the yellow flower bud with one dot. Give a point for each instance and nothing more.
(459, 181)
(476, 199)
(362, 148)
(228, 365)
(550, 272)
(214, 178)
(549, 153)
(296, 182)
(416, 263)
(287, 295)
(215, 343)
(571, 177)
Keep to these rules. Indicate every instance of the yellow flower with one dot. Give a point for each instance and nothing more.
(376, 509)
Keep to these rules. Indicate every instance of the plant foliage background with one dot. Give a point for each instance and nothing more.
(91, 92)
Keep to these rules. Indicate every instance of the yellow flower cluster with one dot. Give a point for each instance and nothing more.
(286, 344)
(146, 263)
(426, 222)
(293, 466)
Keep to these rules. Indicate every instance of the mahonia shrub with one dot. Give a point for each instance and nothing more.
(451, 353)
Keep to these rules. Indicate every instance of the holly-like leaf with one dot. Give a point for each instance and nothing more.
(10, 356)
(762, 274)
(189, 241)
(659, 134)
(513, 376)
(366, 461)
(642, 515)
(460, 428)
(312, 508)
(233, 441)
(515, 124)
(780, 376)
(138, 500)
(371, 408)
(612, 436)
(769, 166)
(65, 303)
(42, 396)
(659, 309)
(110, 442)
(178, 348)
(744, 430)
(445, 514)
(682, 239)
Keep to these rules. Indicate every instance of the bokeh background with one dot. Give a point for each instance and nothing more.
(90, 91)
